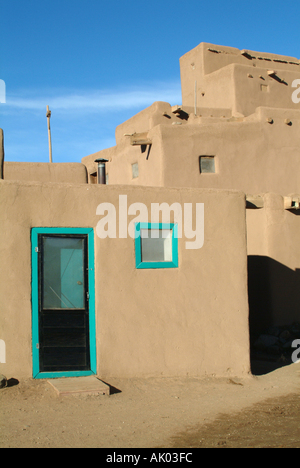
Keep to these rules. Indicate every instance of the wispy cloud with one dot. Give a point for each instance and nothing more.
(83, 122)
(95, 100)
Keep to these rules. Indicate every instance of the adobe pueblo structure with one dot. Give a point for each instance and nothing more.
(237, 129)
(154, 272)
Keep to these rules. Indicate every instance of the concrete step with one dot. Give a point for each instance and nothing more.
(80, 385)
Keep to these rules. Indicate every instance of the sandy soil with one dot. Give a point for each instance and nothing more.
(258, 411)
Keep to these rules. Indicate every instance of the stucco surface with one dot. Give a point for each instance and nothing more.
(187, 321)
(227, 77)
(45, 172)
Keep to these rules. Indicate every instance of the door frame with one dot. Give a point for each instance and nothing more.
(35, 302)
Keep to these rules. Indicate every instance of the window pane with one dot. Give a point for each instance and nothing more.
(156, 245)
(63, 275)
(207, 165)
(135, 170)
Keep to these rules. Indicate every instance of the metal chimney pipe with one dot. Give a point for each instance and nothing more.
(101, 170)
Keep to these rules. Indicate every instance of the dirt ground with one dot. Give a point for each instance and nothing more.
(258, 411)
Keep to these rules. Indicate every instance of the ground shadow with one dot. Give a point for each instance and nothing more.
(12, 382)
(112, 390)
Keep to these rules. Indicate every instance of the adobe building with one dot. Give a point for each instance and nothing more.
(73, 303)
(80, 296)
(238, 128)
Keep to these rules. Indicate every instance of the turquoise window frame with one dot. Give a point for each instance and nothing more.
(35, 305)
(138, 246)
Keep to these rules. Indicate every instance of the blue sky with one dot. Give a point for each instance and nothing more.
(97, 63)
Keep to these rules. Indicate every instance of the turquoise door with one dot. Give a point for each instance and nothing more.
(63, 318)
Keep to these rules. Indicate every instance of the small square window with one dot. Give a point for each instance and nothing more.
(207, 165)
(135, 170)
(264, 88)
(156, 245)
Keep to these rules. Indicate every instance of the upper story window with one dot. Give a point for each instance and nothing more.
(135, 170)
(207, 165)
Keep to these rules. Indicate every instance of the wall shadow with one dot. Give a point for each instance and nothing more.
(274, 301)
(263, 367)
(274, 294)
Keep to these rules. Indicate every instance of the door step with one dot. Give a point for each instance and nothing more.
(80, 385)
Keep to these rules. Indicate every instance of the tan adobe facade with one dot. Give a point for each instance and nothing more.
(244, 117)
(168, 322)
(238, 113)
(233, 147)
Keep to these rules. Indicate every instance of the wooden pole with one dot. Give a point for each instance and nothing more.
(48, 115)
(1, 154)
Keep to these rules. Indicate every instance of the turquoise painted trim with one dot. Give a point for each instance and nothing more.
(35, 304)
(92, 305)
(70, 230)
(138, 247)
(58, 375)
(138, 252)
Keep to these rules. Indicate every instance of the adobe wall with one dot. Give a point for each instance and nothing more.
(187, 321)
(252, 155)
(124, 154)
(229, 78)
(257, 154)
(73, 173)
(120, 160)
(245, 117)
